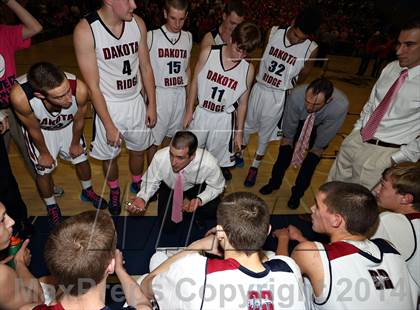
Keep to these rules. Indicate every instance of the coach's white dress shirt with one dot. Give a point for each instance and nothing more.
(203, 168)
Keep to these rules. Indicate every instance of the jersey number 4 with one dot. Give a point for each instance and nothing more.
(126, 67)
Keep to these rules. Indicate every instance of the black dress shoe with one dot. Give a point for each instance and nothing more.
(268, 189)
(293, 203)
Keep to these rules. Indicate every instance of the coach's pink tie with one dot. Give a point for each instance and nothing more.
(372, 124)
(178, 198)
(302, 144)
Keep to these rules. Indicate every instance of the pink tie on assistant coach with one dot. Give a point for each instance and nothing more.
(303, 141)
(178, 199)
(372, 124)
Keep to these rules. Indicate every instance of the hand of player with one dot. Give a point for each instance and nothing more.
(119, 261)
(23, 256)
(295, 234)
(151, 116)
(192, 205)
(238, 141)
(137, 206)
(6, 260)
(4, 125)
(187, 119)
(113, 136)
(45, 160)
(208, 244)
(76, 150)
(281, 234)
(211, 231)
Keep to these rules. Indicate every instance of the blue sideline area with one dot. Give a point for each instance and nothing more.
(138, 238)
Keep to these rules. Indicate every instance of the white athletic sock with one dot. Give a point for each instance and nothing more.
(256, 163)
(50, 201)
(86, 184)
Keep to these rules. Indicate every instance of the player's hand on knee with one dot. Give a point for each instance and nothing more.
(136, 206)
(45, 161)
(114, 136)
(151, 117)
(76, 150)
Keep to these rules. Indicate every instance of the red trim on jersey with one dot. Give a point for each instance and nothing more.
(216, 265)
(413, 216)
(340, 249)
(45, 307)
(73, 86)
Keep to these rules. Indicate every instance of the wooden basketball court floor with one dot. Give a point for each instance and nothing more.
(60, 51)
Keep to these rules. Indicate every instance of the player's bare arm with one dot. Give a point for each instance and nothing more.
(208, 244)
(86, 58)
(188, 87)
(147, 75)
(303, 74)
(192, 95)
(79, 119)
(19, 287)
(242, 109)
(26, 116)
(207, 41)
(306, 255)
(30, 25)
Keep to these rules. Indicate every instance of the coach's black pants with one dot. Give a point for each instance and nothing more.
(207, 211)
(306, 171)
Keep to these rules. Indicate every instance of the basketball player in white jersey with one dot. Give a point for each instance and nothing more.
(240, 280)
(111, 50)
(350, 272)
(51, 105)
(233, 15)
(285, 63)
(170, 51)
(398, 193)
(222, 81)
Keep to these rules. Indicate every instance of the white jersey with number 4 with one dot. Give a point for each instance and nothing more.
(117, 58)
(169, 56)
(368, 274)
(282, 62)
